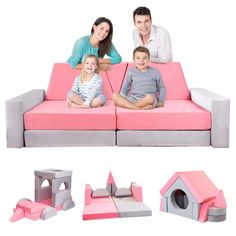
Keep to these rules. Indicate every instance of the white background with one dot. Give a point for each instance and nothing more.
(35, 34)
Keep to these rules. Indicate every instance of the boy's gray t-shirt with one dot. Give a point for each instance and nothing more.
(139, 84)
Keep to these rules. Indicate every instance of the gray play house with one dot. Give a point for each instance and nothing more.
(48, 199)
(193, 195)
(53, 192)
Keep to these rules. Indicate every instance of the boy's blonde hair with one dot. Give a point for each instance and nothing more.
(141, 49)
(83, 72)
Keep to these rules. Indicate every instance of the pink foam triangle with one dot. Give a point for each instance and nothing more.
(110, 179)
(18, 214)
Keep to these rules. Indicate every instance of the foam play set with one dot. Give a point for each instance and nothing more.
(193, 195)
(189, 194)
(114, 202)
(48, 199)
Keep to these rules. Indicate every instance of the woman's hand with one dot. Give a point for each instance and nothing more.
(105, 67)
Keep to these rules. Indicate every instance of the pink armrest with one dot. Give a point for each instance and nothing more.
(88, 193)
(137, 192)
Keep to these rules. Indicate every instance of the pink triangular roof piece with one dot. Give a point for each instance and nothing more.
(197, 182)
(110, 179)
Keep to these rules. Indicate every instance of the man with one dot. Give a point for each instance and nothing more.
(155, 38)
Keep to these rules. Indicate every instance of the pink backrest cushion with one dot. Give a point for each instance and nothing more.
(62, 79)
(173, 78)
(116, 76)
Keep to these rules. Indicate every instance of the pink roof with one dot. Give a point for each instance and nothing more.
(197, 182)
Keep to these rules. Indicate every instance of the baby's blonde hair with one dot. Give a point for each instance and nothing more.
(83, 72)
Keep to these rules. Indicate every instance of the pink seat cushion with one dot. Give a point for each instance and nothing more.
(173, 78)
(175, 115)
(55, 115)
(100, 208)
(62, 79)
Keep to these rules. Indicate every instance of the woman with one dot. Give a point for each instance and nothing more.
(99, 43)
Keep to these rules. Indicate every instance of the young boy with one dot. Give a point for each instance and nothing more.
(143, 87)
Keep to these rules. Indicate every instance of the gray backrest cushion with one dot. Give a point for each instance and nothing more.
(123, 192)
(100, 192)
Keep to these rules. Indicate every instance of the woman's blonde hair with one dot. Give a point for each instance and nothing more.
(83, 74)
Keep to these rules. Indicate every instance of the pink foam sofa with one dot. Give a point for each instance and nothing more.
(190, 117)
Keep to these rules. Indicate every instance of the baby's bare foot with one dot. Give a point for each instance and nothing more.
(148, 107)
(69, 103)
(74, 105)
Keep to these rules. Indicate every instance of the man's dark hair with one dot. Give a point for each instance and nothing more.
(143, 11)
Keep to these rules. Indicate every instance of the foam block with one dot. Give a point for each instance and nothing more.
(31, 207)
(100, 208)
(137, 192)
(129, 207)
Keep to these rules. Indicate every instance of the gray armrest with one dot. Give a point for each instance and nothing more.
(15, 109)
(220, 111)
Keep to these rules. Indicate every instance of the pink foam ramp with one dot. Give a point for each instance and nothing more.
(100, 208)
(17, 215)
(28, 209)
